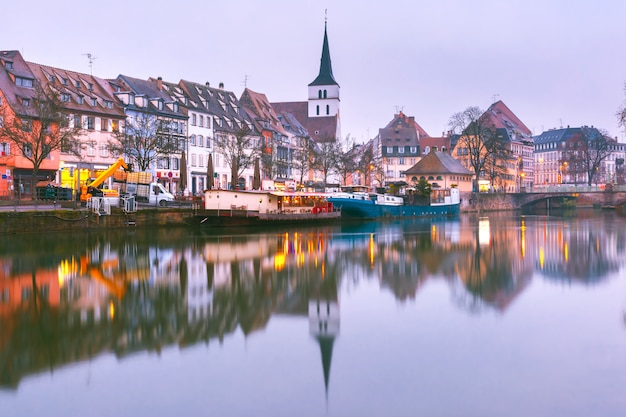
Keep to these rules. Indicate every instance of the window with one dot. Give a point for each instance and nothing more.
(27, 150)
(193, 119)
(104, 150)
(160, 105)
(9, 65)
(201, 160)
(91, 123)
(325, 94)
(327, 109)
(65, 98)
(77, 121)
(94, 101)
(389, 150)
(77, 84)
(193, 159)
(176, 163)
(115, 126)
(64, 81)
(24, 82)
(26, 102)
(200, 141)
(319, 94)
(317, 110)
(81, 100)
(90, 86)
(104, 124)
(192, 140)
(201, 121)
(413, 149)
(400, 149)
(27, 125)
(401, 161)
(108, 104)
(5, 149)
(91, 149)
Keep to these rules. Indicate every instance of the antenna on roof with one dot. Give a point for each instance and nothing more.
(325, 16)
(245, 81)
(90, 58)
(494, 98)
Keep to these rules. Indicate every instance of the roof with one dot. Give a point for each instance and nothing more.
(320, 128)
(503, 118)
(150, 89)
(259, 107)
(214, 101)
(437, 162)
(325, 77)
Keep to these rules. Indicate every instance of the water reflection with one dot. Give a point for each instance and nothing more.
(66, 299)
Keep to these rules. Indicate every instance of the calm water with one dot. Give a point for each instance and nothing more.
(484, 316)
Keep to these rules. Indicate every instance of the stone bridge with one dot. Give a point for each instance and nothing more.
(549, 199)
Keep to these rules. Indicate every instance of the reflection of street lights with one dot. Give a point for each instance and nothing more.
(563, 170)
(521, 181)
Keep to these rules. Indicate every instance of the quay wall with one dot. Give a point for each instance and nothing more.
(12, 222)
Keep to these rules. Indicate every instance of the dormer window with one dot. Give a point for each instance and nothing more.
(108, 104)
(8, 64)
(160, 105)
(175, 107)
(131, 100)
(90, 86)
(65, 98)
(51, 78)
(77, 84)
(26, 102)
(64, 81)
(24, 82)
(94, 102)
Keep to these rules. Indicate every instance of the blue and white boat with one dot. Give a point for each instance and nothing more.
(358, 204)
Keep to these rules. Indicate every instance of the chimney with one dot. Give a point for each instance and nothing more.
(207, 84)
(160, 83)
(221, 86)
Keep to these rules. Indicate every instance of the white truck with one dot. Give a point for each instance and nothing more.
(153, 193)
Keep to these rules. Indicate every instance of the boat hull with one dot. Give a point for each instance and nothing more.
(230, 218)
(368, 209)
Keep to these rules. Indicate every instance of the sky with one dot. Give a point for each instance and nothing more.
(554, 63)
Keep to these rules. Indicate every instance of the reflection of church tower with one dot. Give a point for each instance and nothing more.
(324, 322)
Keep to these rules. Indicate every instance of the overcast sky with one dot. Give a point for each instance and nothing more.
(552, 62)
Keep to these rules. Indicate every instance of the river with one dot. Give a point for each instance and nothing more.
(491, 315)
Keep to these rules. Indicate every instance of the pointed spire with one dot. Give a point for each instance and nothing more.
(325, 76)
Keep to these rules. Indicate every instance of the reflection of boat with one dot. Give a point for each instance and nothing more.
(239, 207)
(359, 204)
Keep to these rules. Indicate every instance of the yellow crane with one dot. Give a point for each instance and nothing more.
(91, 188)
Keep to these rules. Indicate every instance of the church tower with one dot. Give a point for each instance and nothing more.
(324, 90)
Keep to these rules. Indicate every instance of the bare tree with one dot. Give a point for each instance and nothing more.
(347, 158)
(478, 143)
(303, 156)
(367, 164)
(598, 147)
(38, 133)
(621, 113)
(145, 139)
(325, 158)
(238, 148)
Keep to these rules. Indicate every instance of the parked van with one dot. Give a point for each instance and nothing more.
(153, 193)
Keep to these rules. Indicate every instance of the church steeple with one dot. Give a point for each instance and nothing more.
(324, 92)
(325, 76)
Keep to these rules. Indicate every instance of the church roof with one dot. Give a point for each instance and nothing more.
(325, 76)
(320, 129)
